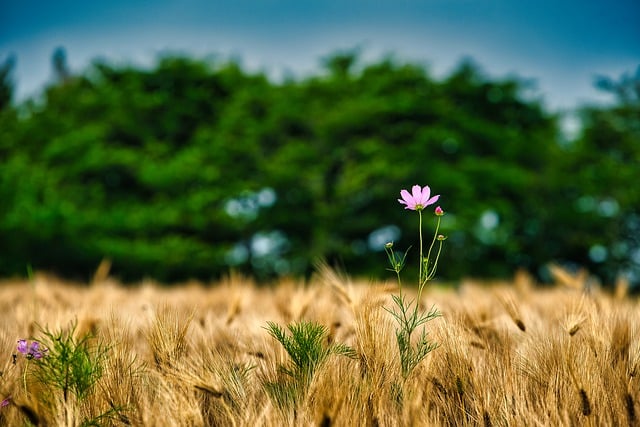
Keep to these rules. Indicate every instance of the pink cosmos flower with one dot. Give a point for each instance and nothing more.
(418, 199)
(438, 211)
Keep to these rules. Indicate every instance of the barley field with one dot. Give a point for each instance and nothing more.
(509, 354)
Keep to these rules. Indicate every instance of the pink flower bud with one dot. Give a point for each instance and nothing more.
(439, 211)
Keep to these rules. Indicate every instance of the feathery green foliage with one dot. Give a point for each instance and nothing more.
(412, 353)
(308, 349)
(71, 369)
(73, 365)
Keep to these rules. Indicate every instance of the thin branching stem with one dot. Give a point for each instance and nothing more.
(421, 255)
(430, 274)
(435, 263)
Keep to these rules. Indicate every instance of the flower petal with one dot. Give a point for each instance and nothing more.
(417, 193)
(426, 192)
(22, 346)
(407, 200)
(408, 205)
(432, 200)
(406, 196)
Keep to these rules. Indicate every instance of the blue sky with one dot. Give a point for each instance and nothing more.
(561, 45)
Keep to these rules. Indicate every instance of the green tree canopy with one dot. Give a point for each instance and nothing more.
(194, 167)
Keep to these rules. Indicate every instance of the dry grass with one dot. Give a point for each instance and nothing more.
(510, 353)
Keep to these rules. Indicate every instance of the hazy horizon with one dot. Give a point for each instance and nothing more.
(561, 46)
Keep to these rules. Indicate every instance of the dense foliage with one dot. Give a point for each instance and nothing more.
(193, 167)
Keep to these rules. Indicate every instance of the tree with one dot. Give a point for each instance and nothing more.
(191, 168)
(6, 84)
(603, 198)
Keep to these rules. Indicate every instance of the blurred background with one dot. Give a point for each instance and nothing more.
(186, 139)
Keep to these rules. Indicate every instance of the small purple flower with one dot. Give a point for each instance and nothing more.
(418, 199)
(32, 351)
(5, 402)
(22, 346)
(35, 350)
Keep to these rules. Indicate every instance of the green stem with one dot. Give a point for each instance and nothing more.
(24, 376)
(421, 256)
(435, 263)
(66, 385)
(429, 275)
